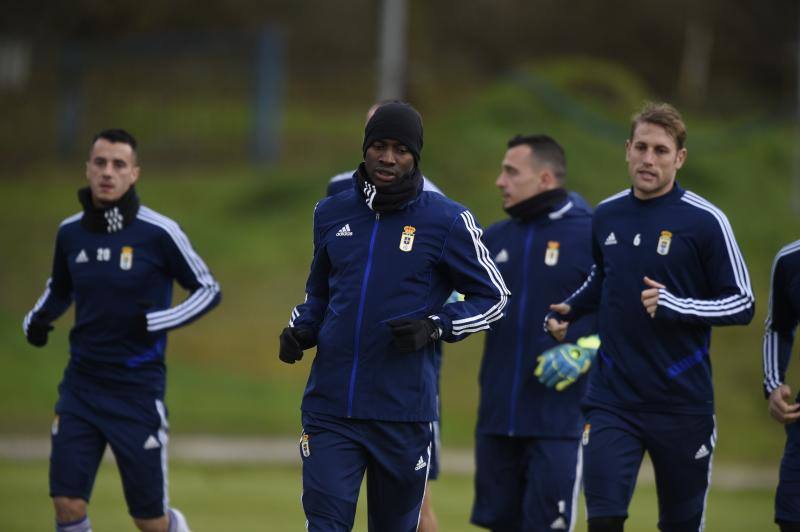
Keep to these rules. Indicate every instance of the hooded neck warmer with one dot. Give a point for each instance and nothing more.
(112, 218)
(537, 205)
(391, 197)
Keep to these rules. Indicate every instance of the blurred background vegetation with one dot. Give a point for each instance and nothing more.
(184, 78)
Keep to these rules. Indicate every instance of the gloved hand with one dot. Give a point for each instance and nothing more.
(293, 340)
(140, 332)
(561, 365)
(412, 335)
(138, 325)
(37, 332)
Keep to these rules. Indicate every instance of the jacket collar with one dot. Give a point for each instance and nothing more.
(112, 218)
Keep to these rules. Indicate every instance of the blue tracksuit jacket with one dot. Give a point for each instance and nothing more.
(542, 260)
(685, 243)
(369, 268)
(783, 315)
(114, 278)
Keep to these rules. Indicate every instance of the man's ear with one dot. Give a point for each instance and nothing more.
(680, 158)
(547, 179)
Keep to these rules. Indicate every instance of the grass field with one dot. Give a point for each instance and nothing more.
(267, 499)
(252, 225)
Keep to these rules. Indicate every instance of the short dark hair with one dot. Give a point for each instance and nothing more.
(664, 115)
(114, 136)
(546, 150)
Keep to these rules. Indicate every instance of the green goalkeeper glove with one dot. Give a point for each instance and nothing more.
(561, 365)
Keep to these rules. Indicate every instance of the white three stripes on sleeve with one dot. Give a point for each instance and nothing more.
(482, 321)
(296, 312)
(772, 379)
(39, 304)
(200, 298)
(722, 307)
(587, 282)
(735, 256)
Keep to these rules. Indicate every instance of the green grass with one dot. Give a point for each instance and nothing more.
(262, 498)
(252, 224)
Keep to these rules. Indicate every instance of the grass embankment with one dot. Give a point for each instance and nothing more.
(252, 225)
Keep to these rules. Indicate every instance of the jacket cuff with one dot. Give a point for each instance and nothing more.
(568, 317)
(443, 324)
(769, 389)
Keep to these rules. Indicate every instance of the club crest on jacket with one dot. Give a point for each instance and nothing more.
(126, 258)
(664, 242)
(407, 239)
(551, 255)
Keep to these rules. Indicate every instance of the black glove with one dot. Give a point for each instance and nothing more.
(412, 335)
(37, 332)
(293, 341)
(140, 332)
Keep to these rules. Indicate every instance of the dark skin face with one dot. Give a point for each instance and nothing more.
(386, 160)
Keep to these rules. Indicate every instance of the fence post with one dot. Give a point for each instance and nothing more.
(268, 96)
(71, 106)
(392, 60)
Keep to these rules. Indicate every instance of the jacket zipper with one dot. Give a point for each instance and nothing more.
(360, 315)
(520, 333)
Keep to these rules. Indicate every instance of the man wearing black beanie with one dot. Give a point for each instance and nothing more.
(395, 120)
(390, 176)
(387, 254)
(343, 181)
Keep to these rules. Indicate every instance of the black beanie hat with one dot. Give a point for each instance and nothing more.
(398, 121)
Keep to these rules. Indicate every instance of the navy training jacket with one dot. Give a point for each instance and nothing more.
(684, 242)
(369, 268)
(782, 316)
(114, 278)
(543, 261)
